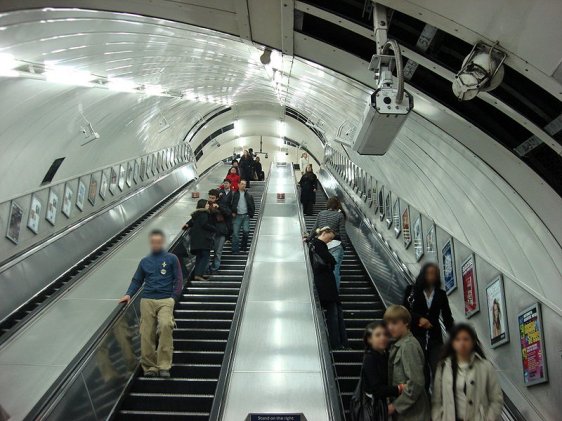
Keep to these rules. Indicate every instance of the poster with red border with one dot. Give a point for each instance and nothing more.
(470, 287)
(532, 345)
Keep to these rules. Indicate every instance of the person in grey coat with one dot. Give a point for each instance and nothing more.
(406, 366)
(466, 385)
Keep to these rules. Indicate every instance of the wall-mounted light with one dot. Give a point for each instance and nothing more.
(7, 65)
(153, 90)
(121, 85)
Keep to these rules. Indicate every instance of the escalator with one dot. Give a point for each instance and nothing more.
(361, 305)
(203, 318)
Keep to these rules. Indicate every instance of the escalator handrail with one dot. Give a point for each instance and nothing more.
(510, 411)
(228, 359)
(52, 396)
(333, 396)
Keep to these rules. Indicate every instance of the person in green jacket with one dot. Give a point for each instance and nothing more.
(405, 366)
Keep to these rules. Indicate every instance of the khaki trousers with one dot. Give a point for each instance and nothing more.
(157, 343)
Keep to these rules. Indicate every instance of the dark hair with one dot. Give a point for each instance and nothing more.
(333, 203)
(233, 161)
(201, 203)
(157, 233)
(214, 192)
(226, 180)
(371, 327)
(421, 280)
(236, 169)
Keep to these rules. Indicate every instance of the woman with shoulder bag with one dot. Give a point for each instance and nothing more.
(369, 402)
(325, 282)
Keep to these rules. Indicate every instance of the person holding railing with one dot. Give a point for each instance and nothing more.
(160, 273)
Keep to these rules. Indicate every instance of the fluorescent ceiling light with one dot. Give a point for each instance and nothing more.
(237, 129)
(67, 75)
(282, 129)
(153, 90)
(121, 85)
(7, 65)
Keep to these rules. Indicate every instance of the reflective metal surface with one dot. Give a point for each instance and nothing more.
(35, 357)
(277, 357)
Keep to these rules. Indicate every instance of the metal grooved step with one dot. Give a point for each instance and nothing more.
(203, 318)
(361, 305)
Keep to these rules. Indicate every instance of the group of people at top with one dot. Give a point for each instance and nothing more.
(418, 377)
(248, 168)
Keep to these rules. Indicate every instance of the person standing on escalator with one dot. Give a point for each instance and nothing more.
(308, 185)
(160, 273)
(333, 217)
(246, 167)
(201, 238)
(243, 208)
(219, 214)
(325, 282)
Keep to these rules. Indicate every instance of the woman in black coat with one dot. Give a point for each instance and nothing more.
(374, 371)
(427, 302)
(308, 184)
(325, 283)
(201, 238)
(246, 168)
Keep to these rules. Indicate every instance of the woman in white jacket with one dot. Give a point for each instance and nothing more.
(466, 386)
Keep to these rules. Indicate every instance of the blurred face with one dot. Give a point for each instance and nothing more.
(156, 243)
(397, 328)
(432, 275)
(227, 185)
(212, 198)
(326, 236)
(378, 339)
(462, 344)
(309, 168)
(233, 171)
(242, 185)
(235, 164)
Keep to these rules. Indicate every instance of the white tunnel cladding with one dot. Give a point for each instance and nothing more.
(444, 168)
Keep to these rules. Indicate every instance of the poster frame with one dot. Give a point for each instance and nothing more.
(52, 217)
(498, 280)
(468, 314)
(406, 228)
(418, 248)
(12, 235)
(451, 245)
(537, 307)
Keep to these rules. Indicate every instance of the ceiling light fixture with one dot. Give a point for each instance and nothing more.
(67, 75)
(7, 65)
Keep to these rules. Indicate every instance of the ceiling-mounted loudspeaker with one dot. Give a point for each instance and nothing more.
(482, 70)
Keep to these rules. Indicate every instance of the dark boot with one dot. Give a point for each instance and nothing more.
(244, 244)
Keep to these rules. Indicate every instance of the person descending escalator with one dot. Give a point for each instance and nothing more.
(243, 208)
(466, 385)
(233, 177)
(258, 170)
(201, 238)
(246, 167)
(308, 184)
(333, 217)
(226, 193)
(369, 401)
(219, 214)
(325, 282)
(427, 302)
(160, 273)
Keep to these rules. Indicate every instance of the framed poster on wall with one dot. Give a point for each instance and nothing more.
(80, 195)
(406, 230)
(418, 238)
(448, 265)
(130, 174)
(136, 172)
(52, 206)
(112, 181)
(67, 201)
(93, 190)
(470, 287)
(143, 170)
(396, 217)
(497, 312)
(121, 181)
(388, 210)
(34, 214)
(381, 203)
(431, 243)
(531, 336)
(103, 185)
(14, 223)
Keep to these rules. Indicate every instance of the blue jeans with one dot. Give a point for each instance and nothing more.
(201, 261)
(240, 221)
(218, 245)
(337, 253)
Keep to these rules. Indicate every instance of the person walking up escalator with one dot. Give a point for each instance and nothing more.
(219, 214)
(201, 238)
(246, 167)
(308, 184)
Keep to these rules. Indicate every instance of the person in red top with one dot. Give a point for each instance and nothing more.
(234, 178)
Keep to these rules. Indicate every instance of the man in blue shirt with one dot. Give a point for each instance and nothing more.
(161, 274)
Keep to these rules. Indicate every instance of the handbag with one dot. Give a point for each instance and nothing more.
(316, 260)
(366, 408)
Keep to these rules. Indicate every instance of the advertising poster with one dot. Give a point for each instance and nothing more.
(93, 190)
(418, 238)
(375, 194)
(381, 202)
(470, 287)
(14, 223)
(112, 181)
(52, 205)
(431, 243)
(121, 182)
(81, 195)
(143, 169)
(103, 185)
(396, 216)
(497, 313)
(388, 210)
(449, 276)
(406, 231)
(532, 345)
(67, 201)
(129, 174)
(136, 173)
(34, 215)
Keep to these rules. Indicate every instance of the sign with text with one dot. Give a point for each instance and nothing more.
(275, 417)
(470, 287)
(532, 345)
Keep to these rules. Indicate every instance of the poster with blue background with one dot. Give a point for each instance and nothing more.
(449, 278)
